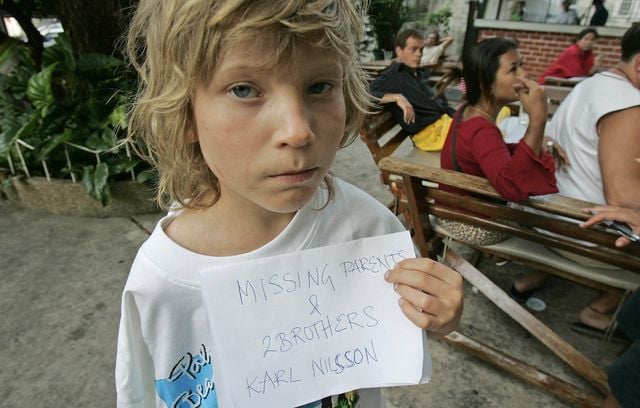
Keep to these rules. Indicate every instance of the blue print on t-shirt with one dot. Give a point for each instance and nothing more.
(190, 384)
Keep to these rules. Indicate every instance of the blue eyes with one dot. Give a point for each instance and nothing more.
(319, 88)
(243, 91)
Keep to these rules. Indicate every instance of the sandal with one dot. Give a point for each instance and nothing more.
(518, 296)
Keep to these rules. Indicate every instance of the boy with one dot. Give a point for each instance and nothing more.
(243, 133)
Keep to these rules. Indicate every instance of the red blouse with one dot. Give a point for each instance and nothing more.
(513, 169)
(573, 62)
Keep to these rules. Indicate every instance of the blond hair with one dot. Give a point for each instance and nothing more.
(175, 45)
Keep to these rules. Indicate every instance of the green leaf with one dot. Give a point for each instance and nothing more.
(123, 166)
(145, 176)
(96, 143)
(118, 117)
(39, 89)
(60, 52)
(98, 67)
(8, 49)
(8, 137)
(54, 142)
(6, 183)
(100, 176)
(87, 180)
(94, 180)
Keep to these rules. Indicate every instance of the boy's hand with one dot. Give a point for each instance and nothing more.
(431, 293)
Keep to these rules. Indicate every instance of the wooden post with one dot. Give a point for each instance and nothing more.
(560, 388)
(591, 372)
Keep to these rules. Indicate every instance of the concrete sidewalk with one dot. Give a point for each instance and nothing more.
(60, 303)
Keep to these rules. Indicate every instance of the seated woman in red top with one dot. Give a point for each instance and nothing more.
(578, 60)
(494, 77)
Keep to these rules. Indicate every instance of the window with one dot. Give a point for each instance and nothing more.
(625, 7)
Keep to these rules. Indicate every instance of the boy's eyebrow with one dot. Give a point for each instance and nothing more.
(330, 69)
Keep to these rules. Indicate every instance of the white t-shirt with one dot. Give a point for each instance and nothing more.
(574, 127)
(164, 343)
(431, 55)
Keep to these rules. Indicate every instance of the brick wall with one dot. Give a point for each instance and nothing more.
(540, 49)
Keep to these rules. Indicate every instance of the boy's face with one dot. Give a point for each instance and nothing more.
(270, 135)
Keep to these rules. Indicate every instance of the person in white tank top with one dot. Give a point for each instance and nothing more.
(597, 125)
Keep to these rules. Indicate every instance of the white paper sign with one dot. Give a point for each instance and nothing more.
(292, 329)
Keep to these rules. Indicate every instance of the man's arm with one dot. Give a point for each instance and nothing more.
(446, 42)
(618, 148)
(379, 88)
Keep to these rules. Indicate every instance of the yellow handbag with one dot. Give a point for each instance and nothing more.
(431, 138)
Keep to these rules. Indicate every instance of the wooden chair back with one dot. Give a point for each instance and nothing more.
(483, 207)
(555, 96)
(383, 136)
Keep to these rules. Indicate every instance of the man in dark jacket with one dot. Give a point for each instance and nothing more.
(403, 88)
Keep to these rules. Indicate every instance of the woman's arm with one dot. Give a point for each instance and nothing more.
(514, 176)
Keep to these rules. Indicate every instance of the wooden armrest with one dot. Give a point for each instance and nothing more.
(556, 203)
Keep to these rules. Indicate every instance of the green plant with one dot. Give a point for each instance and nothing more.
(387, 16)
(439, 20)
(68, 118)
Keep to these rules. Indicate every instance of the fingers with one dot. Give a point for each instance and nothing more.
(599, 214)
(430, 293)
(563, 155)
(613, 213)
(427, 267)
(409, 115)
(534, 100)
(622, 241)
(529, 83)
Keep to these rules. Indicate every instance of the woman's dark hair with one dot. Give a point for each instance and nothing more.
(585, 32)
(481, 65)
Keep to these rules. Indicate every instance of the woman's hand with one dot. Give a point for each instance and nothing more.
(431, 293)
(534, 100)
(558, 153)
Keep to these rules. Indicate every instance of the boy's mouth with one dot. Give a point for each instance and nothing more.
(295, 176)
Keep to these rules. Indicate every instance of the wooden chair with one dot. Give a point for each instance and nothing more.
(384, 138)
(526, 223)
(555, 96)
(565, 82)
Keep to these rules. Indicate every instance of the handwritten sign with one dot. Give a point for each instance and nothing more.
(292, 329)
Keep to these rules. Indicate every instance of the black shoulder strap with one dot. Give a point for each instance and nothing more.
(456, 119)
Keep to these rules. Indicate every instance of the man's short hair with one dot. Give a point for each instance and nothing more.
(404, 35)
(630, 43)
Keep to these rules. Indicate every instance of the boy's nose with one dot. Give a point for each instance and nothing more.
(292, 124)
